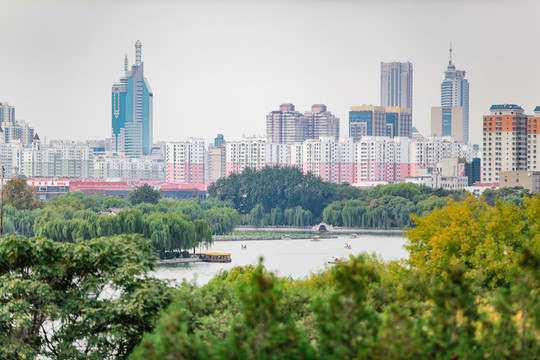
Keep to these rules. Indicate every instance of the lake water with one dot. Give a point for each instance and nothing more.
(295, 258)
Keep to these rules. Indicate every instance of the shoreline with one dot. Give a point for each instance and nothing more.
(271, 234)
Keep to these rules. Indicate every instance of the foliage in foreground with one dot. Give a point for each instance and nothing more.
(88, 300)
(447, 302)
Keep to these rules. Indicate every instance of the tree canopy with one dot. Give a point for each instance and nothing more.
(19, 195)
(144, 194)
(87, 300)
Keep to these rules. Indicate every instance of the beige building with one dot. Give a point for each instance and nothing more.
(216, 162)
(527, 179)
(448, 121)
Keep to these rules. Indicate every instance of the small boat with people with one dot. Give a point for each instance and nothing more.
(315, 238)
(285, 237)
(244, 247)
(335, 260)
(215, 257)
(348, 246)
(354, 235)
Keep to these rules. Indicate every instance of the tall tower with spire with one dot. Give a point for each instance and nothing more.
(455, 93)
(132, 110)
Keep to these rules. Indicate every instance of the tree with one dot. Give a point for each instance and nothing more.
(21, 196)
(486, 240)
(92, 299)
(144, 194)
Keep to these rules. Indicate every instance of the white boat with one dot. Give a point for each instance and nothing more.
(315, 239)
(353, 235)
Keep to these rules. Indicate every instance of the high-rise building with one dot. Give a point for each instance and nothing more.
(132, 103)
(505, 141)
(397, 84)
(369, 120)
(286, 125)
(7, 113)
(533, 141)
(455, 93)
(321, 123)
(185, 161)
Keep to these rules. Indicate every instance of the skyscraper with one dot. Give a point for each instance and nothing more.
(397, 84)
(455, 93)
(132, 103)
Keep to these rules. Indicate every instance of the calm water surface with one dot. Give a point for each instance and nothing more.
(295, 258)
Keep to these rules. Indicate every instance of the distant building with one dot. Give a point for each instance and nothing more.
(132, 110)
(216, 162)
(185, 161)
(448, 121)
(319, 122)
(7, 113)
(369, 120)
(397, 84)
(529, 180)
(60, 159)
(505, 141)
(288, 126)
(454, 94)
(533, 141)
(219, 140)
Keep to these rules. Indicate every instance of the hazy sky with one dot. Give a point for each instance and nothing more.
(221, 66)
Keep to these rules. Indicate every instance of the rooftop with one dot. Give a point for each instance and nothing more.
(506, 107)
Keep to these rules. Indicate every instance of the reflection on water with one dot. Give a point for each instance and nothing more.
(295, 258)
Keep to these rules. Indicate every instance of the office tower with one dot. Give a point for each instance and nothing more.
(7, 113)
(533, 141)
(185, 161)
(398, 122)
(369, 120)
(448, 121)
(455, 93)
(505, 141)
(397, 84)
(320, 123)
(286, 125)
(132, 103)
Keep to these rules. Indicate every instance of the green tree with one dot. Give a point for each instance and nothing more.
(144, 194)
(19, 195)
(87, 300)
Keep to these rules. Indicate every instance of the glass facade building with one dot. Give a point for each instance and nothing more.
(132, 111)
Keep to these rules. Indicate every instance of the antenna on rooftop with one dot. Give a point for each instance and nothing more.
(126, 63)
(450, 62)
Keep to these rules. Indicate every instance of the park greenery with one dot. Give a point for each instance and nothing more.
(469, 290)
(75, 284)
(280, 195)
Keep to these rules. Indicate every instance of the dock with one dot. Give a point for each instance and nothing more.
(178, 261)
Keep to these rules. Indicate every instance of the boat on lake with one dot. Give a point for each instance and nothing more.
(335, 260)
(348, 246)
(215, 257)
(285, 237)
(315, 239)
(354, 235)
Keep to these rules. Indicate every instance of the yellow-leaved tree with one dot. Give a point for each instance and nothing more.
(486, 240)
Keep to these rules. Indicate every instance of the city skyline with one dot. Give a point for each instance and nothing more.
(209, 59)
